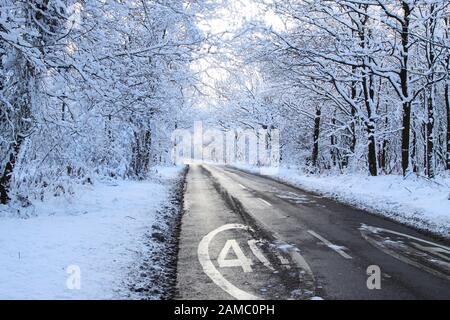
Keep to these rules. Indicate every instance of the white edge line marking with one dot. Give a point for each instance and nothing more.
(264, 201)
(243, 187)
(330, 245)
(258, 253)
(210, 269)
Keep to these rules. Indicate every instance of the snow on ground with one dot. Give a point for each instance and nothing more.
(101, 230)
(416, 201)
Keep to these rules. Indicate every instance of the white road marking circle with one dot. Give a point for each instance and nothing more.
(210, 269)
(242, 261)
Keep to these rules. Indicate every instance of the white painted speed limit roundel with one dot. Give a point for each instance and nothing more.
(256, 264)
(212, 272)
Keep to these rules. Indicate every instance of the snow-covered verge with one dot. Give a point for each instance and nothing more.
(98, 236)
(416, 201)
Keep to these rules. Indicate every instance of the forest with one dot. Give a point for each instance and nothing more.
(95, 88)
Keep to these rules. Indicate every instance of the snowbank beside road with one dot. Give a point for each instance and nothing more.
(415, 201)
(102, 230)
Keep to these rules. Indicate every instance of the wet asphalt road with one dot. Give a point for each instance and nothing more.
(245, 236)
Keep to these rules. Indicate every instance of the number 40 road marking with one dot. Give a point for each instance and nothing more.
(241, 260)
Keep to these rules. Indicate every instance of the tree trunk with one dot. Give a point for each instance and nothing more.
(353, 121)
(404, 83)
(383, 158)
(431, 94)
(140, 162)
(414, 146)
(315, 153)
(335, 157)
(447, 103)
(5, 179)
(406, 125)
(147, 152)
(430, 137)
(369, 96)
(447, 98)
(369, 100)
(372, 153)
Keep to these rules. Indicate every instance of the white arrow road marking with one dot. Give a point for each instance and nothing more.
(334, 247)
(210, 269)
(265, 202)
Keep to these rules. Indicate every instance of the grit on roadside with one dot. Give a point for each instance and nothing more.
(119, 236)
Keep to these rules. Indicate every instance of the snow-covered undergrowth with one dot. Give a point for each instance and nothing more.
(101, 231)
(414, 200)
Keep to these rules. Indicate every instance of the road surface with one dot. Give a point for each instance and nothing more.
(246, 236)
